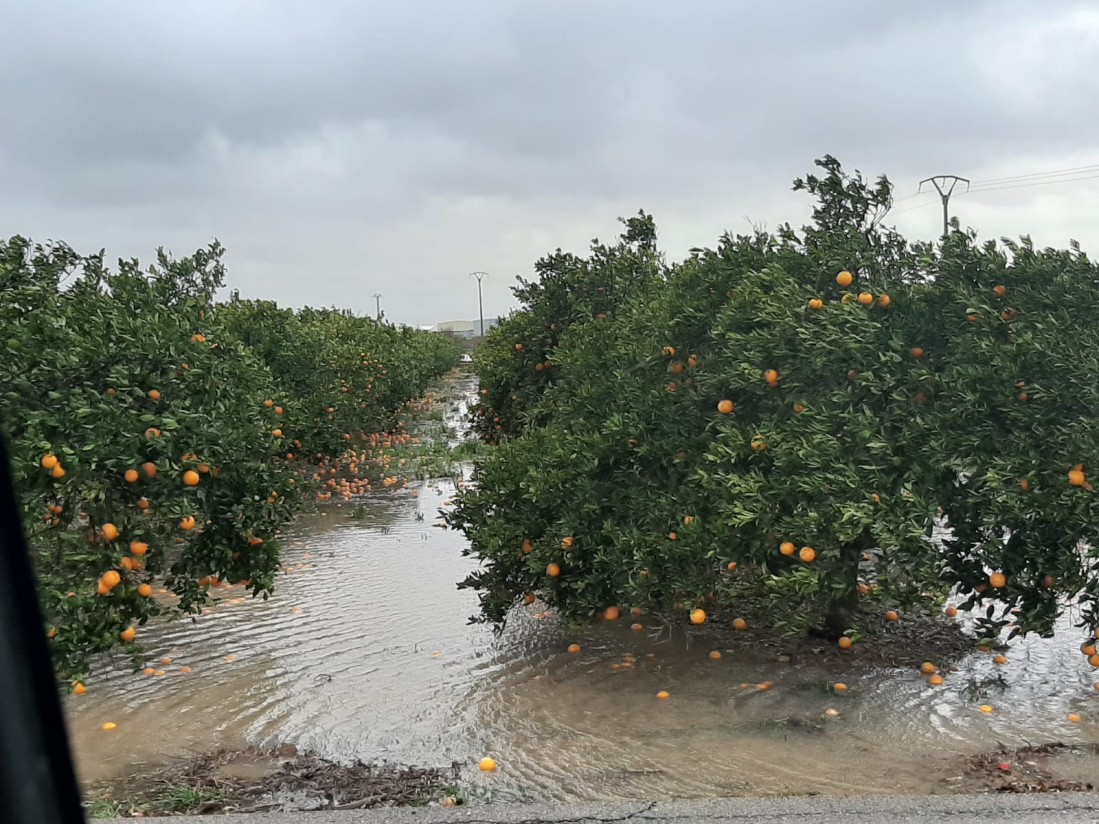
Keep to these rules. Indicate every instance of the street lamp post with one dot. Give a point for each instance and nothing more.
(480, 303)
(378, 307)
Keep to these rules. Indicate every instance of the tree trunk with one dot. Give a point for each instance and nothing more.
(843, 603)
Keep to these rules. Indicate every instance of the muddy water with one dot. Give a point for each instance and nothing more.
(365, 652)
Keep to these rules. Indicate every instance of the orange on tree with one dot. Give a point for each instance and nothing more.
(808, 554)
(109, 531)
(191, 478)
(787, 548)
(698, 616)
(739, 624)
(128, 634)
(49, 461)
(816, 303)
(145, 590)
(845, 279)
(865, 298)
(611, 614)
(131, 476)
(154, 394)
(726, 407)
(997, 580)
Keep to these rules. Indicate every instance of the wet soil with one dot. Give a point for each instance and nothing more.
(254, 780)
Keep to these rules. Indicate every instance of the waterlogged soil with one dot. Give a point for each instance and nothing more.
(253, 780)
(365, 656)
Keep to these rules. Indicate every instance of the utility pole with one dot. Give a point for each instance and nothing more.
(378, 307)
(939, 182)
(480, 303)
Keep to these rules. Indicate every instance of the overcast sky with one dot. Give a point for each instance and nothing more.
(340, 149)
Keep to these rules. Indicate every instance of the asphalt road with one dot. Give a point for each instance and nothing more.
(1052, 808)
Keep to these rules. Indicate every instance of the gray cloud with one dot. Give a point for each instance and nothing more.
(342, 148)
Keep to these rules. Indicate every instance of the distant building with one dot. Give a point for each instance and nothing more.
(463, 328)
(458, 328)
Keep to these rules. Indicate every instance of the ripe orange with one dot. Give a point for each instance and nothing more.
(58, 472)
(128, 634)
(567, 542)
(927, 668)
(131, 476)
(985, 708)
(892, 616)
(787, 548)
(149, 468)
(845, 279)
(845, 642)
(1076, 477)
(731, 566)
(108, 726)
(726, 407)
(999, 290)
(188, 523)
(799, 408)
(999, 659)
(816, 303)
(739, 624)
(276, 433)
(487, 764)
(865, 298)
(840, 687)
(573, 649)
(101, 588)
(111, 578)
(190, 478)
(997, 580)
(144, 590)
(1024, 484)
(663, 695)
(518, 347)
(673, 536)
(110, 532)
(936, 681)
(715, 655)
(198, 338)
(127, 563)
(49, 461)
(669, 351)
(1093, 660)
(808, 554)
(553, 570)
(1074, 717)
(771, 376)
(268, 403)
(611, 614)
(79, 688)
(278, 410)
(698, 616)
(917, 352)
(951, 612)
(637, 627)
(154, 394)
(884, 301)
(1087, 648)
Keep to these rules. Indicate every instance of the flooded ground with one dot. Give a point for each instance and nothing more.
(366, 652)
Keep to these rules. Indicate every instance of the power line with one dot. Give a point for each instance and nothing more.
(1053, 173)
(976, 189)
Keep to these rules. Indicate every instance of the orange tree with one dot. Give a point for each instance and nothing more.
(147, 438)
(823, 422)
(347, 376)
(515, 362)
